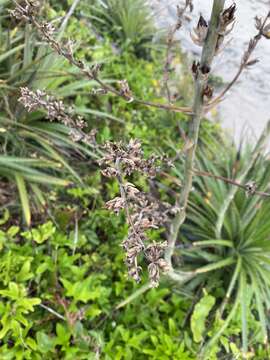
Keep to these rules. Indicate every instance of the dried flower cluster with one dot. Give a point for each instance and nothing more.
(227, 21)
(200, 32)
(143, 212)
(26, 10)
(251, 188)
(56, 110)
(226, 24)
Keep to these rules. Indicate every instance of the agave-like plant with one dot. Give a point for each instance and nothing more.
(227, 234)
(128, 21)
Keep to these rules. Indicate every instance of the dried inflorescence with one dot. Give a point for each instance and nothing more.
(55, 110)
(130, 157)
(251, 188)
(143, 212)
(226, 24)
(200, 32)
(25, 10)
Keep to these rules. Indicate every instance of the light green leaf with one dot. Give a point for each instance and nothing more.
(199, 316)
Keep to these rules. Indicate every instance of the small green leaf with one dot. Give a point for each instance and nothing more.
(5, 217)
(199, 316)
(24, 198)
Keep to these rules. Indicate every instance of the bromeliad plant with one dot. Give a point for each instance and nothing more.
(231, 228)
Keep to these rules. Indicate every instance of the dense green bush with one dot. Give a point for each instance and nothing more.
(63, 285)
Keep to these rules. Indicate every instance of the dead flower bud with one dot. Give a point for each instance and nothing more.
(189, 4)
(163, 265)
(252, 62)
(251, 188)
(258, 23)
(154, 251)
(266, 31)
(47, 28)
(154, 274)
(95, 69)
(125, 90)
(200, 32)
(109, 172)
(55, 109)
(208, 92)
(131, 190)
(25, 10)
(195, 68)
(227, 17)
(76, 135)
(134, 273)
(116, 204)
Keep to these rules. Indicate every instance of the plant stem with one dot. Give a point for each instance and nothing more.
(134, 295)
(201, 81)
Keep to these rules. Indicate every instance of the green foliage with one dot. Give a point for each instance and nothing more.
(237, 261)
(34, 152)
(62, 279)
(129, 23)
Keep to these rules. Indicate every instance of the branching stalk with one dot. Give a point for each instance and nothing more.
(245, 63)
(201, 81)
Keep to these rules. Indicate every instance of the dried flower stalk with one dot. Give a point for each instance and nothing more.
(142, 211)
(170, 40)
(56, 110)
(246, 61)
(201, 81)
(27, 11)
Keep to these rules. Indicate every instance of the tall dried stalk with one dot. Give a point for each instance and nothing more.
(201, 82)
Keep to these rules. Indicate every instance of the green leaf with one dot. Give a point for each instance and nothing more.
(45, 343)
(5, 217)
(199, 316)
(24, 198)
(40, 234)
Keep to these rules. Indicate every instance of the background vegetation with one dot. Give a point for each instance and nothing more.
(63, 284)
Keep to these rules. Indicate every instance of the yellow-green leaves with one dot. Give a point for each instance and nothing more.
(199, 316)
(41, 233)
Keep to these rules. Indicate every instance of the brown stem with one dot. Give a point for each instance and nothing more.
(229, 181)
(57, 47)
(170, 40)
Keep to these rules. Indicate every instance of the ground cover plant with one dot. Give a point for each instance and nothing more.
(193, 225)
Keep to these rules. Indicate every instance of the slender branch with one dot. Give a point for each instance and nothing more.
(170, 40)
(230, 181)
(201, 81)
(134, 295)
(245, 63)
(241, 177)
(45, 30)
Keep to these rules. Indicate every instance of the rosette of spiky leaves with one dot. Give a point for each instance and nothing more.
(227, 233)
(129, 22)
